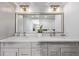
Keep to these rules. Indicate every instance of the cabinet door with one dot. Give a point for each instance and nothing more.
(70, 51)
(7, 49)
(24, 49)
(53, 50)
(43, 49)
(18, 49)
(35, 49)
(9, 52)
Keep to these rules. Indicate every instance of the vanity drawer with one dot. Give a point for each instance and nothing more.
(23, 45)
(61, 44)
(17, 44)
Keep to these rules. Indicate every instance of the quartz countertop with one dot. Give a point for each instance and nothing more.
(38, 39)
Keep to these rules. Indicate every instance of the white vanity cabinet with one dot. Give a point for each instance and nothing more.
(53, 50)
(29, 49)
(8, 49)
(36, 49)
(48, 49)
(70, 51)
(63, 49)
(16, 49)
(43, 49)
(24, 49)
(39, 49)
(24, 52)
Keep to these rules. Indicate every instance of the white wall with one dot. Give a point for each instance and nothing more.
(71, 17)
(7, 20)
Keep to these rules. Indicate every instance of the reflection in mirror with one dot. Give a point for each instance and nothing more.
(58, 23)
(39, 23)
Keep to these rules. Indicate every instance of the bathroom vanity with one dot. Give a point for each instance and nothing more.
(39, 46)
(47, 23)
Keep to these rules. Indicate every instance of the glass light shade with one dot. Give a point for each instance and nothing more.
(55, 8)
(24, 7)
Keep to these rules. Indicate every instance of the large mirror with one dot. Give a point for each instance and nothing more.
(33, 22)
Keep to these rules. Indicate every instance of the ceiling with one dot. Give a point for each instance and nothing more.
(39, 6)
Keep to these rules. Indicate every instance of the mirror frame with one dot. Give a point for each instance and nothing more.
(62, 18)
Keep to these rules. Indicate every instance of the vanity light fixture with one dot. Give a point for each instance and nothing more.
(24, 7)
(54, 7)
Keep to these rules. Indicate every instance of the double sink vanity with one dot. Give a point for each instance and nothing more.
(39, 46)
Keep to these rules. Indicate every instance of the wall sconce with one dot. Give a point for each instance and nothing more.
(54, 7)
(24, 7)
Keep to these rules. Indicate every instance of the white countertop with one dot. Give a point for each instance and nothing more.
(38, 39)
